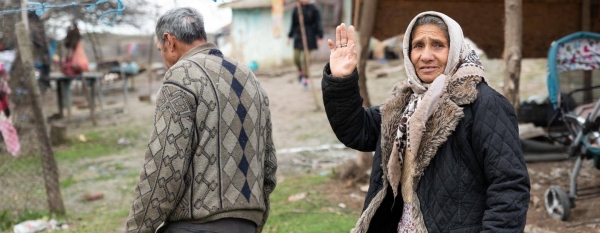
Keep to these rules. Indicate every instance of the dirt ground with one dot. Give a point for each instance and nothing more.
(299, 126)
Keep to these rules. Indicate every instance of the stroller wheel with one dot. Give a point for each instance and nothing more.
(557, 203)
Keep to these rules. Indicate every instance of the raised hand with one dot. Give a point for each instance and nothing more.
(342, 60)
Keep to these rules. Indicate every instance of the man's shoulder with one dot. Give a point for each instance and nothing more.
(216, 62)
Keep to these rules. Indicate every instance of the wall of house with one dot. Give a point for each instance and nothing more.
(253, 40)
(483, 21)
(252, 37)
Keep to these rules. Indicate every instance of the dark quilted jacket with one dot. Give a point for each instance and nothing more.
(471, 185)
(312, 27)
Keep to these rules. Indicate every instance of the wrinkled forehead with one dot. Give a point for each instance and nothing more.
(429, 32)
(432, 20)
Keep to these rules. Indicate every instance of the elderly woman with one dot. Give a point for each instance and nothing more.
(447, 151)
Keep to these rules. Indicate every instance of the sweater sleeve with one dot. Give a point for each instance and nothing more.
(496, 139)
(167, 159)
(270, 167)
(355, 126)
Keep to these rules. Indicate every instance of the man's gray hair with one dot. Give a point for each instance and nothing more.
(185, 23)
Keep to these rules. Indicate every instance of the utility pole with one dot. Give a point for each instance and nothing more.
(513, 37)
(306, 57)
(49, 167)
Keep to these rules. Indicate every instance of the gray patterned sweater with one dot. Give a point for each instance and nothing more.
(211, 154)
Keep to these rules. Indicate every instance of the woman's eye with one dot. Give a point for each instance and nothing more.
(417, 46)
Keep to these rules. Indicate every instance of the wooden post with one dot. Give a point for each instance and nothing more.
(306, 56)
(24, 12)
(588, 96)
(58, 134)
(367, 21)
(356, 17)
(89, 98)
(513, 28)
(49, 167)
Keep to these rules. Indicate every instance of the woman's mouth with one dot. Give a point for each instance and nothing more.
(428, 68)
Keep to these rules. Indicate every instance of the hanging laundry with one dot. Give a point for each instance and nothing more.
(132, 49)
(9, 133)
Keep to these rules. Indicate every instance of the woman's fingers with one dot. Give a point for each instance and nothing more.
(331, 44)
(344, 37)
(338, 34)
(351, 35)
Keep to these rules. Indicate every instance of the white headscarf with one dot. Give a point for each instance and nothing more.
(458, 50)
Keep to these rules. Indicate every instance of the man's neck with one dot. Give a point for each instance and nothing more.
(184, 48)
(187, 47)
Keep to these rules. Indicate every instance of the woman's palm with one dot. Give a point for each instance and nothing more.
(343, 59)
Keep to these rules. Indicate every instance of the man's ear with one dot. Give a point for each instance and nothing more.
(169, 42)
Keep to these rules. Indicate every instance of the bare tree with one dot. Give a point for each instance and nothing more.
(513, 29)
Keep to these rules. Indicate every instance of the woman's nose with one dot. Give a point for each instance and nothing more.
(427, 54)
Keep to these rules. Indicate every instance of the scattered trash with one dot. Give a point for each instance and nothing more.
(558, 172)
(92, 196)
(123, 141)
(31, 226)
(356, 196)
(55, 225)
(535, 201)
(342, 205)
(297, 197)
(536, 186)
(531, 171)
(529, 228)
(82, 138)
(364, 188)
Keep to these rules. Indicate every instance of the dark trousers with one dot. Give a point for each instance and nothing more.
(299, 59)
(226, 225)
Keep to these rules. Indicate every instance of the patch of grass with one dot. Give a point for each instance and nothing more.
(68, 182)
(100, 220)
(315, 213)
(99, 143)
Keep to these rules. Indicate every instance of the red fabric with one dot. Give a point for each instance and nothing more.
(3, 102)
(9, 133)
(77, 63)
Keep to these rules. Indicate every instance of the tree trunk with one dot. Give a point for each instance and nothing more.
(367, 21)
(512, 50)
(49, 167)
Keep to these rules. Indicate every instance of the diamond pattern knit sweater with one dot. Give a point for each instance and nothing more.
(211, 154)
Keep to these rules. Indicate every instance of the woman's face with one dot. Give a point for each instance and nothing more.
(429, 52)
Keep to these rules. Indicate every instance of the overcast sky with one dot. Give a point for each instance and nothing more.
(214, 17)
